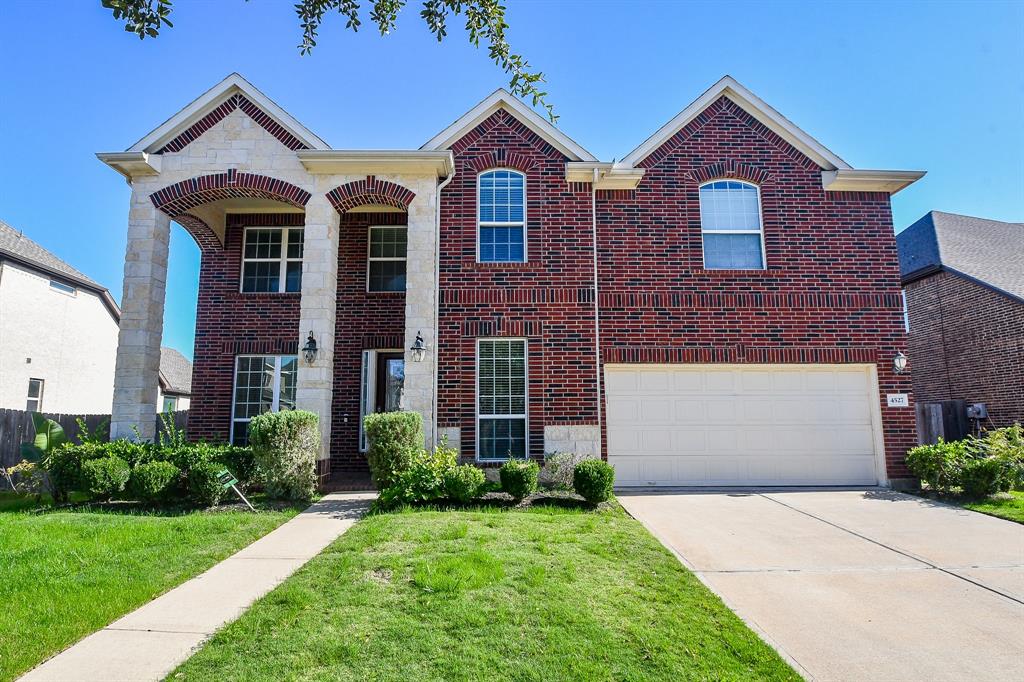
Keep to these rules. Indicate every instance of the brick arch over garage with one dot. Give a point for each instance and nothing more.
(178, 199)
(370, 191)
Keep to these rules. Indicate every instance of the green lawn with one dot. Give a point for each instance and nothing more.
(1005, 505)
(544, 594)
(66, 573)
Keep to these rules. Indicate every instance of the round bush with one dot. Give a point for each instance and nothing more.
(203, 486)
(153, 481)
(519, 478)
(240, 461)
(286, 445)
(463, 483)
(981, 477)
(104, 477)
(592, 480)
(395, 440)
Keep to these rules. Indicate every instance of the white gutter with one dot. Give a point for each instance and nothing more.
(597, 308)
(437, 284)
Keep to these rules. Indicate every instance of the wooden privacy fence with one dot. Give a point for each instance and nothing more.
(946, 419)
(16, 428)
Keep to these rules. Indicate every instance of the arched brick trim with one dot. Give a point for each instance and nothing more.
(730, 169)
(502, 159)
(205, 237)
(370, 191)
(236, 101)
(183, 196)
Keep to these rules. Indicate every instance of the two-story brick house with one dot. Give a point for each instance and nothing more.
(721, 306)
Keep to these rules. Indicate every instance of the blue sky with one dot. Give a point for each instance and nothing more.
(932, 86)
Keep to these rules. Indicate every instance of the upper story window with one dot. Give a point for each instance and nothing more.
(272, 259)
(63, 288)
(502, 217)
(35, 396)
(386, 268)
(730, 221)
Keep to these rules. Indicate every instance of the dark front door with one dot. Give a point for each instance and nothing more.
(390, 378)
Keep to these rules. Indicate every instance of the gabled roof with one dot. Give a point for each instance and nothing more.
(502, 99)
(175, 372)
(753, 105)
(989, 252)
(215, 97)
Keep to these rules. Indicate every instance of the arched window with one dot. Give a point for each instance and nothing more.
(501, 217)
(730, 222)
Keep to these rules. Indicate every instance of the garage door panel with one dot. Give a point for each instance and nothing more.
(742, 425)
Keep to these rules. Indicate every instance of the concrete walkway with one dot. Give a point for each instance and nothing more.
(148, 643)
(856, 585)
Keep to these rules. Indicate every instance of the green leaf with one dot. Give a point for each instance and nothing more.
(30, 452)
(49, 434)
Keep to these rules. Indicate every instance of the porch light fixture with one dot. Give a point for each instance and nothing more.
(419, 348)
(899, 363)
(310, 349)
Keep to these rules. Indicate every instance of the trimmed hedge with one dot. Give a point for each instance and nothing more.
(204, 487)
(593, 479)
(464, 483)
(519, 478)
(286, 446)
(154, 481)
(395, 440)
(105, 477)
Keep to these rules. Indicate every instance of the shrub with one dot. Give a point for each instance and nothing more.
(558, 469)
(241, 461)
(464, 483)
(593, 479)
(153, 481)
(204, 488)
(286, 445)
(29, 478)
(423, 480)
(130, 451)
(519, 478)
(981, 477)
(395, 440)
(1007, 447)
(940, 464)
(104, 477)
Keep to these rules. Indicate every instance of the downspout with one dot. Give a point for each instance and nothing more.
(597, 312)
(437, 288)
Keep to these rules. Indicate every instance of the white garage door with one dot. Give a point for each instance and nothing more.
(724, 425)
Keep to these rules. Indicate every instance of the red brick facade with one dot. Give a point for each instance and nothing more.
(830, 293)
(967, 342)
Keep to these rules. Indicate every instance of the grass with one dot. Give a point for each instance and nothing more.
(544, 594)
(67, 572)
(1008, 506)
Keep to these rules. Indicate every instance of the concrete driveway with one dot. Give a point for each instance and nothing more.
(856, 585)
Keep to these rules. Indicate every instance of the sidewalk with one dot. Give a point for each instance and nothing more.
(148, 643)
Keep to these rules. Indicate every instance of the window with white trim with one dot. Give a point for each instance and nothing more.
(272, 259)
(730, 221)
(501, 233)
(501, 399)
(386, 268)
(63, 288)
(263, 383)
(35, 396)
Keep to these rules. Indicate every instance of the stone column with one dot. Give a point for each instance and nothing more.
(136, 372)
(318, 310)
(418, 390)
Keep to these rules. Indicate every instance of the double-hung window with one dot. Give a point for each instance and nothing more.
(263, 383)
(35, 396)
(386, 269)
(501, 217)
(501, 399)
(730, 221)
(272, 259)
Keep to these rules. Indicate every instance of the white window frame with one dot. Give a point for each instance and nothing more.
(282, 261)
(481, 224)
(370, 259)
(39, 399)
(63, 288)
(525, 416)
(906, 311)
(760, 221)
(174, 403)
(368, 388)
(275, 402)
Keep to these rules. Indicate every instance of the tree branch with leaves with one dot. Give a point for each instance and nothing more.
(484, 21)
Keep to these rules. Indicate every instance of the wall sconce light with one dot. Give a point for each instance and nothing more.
(899, 363)
(310, 349)
(419, 348)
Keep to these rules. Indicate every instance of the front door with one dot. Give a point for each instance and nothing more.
(390, 378)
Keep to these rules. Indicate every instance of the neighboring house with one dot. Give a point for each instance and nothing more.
(720, 307)
(175, 381)
(963, 279)
(58, 332)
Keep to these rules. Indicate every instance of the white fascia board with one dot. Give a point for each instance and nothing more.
(864, 180)
(754, 106)
(608, 176)
(502, 99)
(439, 163)
(213, 98)
(132, 164)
